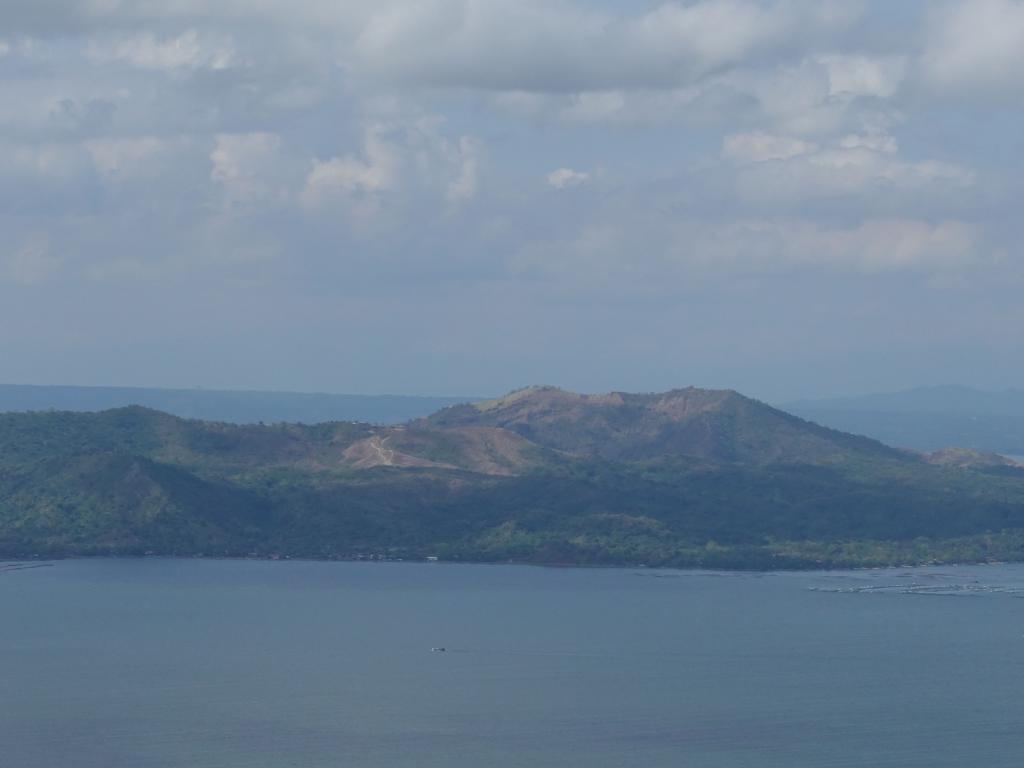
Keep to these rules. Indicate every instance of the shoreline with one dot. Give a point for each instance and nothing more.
(29, 562)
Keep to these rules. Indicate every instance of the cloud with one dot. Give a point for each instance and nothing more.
(761, 147)
(407, 158)
(809, 95)
(873, 246)
(566, 177)
(859, 75)
(248, 168)
(45, 179)
(352, 177)
(182, 52)
(819, 95)
(596, 106)
(532, 46)
(776, 168)
(878, 142)
(118, 158)
(31, 264)
(976, 45)
(604, 256)
(465, 157)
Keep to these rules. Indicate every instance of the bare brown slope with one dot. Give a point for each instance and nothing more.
(487, 450)
(715, 425)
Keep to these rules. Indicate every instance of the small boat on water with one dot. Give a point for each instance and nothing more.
(438, 650)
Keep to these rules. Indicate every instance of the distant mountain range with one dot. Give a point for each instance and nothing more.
(928, 418)
(685, 478)
(237, 407)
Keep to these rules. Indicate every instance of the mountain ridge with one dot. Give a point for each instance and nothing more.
(713, 424)
(689, 477)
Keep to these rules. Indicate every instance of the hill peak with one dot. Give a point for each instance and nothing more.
(711, 424)
(554, 396)
(526, 394)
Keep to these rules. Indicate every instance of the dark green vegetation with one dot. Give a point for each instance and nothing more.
(225, 405)
(928, 418)
(687, 478)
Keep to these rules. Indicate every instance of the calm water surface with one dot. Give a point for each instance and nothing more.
(204, 664)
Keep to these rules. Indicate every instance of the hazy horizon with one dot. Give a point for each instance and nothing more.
(826, 398)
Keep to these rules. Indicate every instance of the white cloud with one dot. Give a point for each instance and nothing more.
(596, 106)
(773, 168)
(762, 147)
(407, 157)
(820, 96)
(186, 51)
(875, 142)
(55, 163)
(465, 157)
(707, 34)
(566, 177)
(976, 45)
(247, 166)
(850, 75)
(119, 158)
(351, 176)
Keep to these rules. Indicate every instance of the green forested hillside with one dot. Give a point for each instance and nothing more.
(688, 478)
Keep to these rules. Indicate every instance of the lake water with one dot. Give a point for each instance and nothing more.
(203, 664)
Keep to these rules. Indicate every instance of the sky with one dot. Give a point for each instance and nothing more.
(789, 198)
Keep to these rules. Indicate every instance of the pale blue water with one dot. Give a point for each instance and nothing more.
(229, 664)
